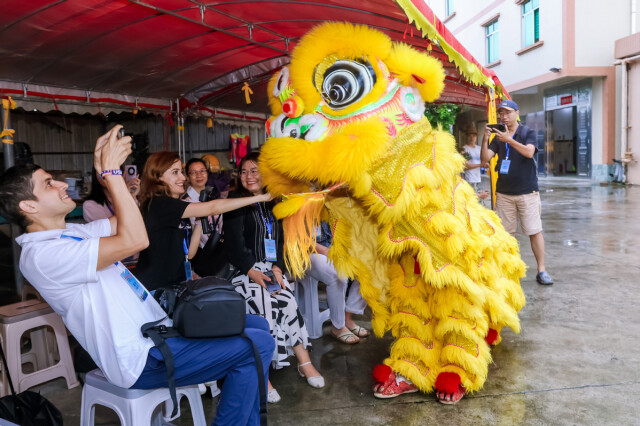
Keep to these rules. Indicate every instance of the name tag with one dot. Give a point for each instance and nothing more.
(134, 284)
(270, 250)
(187, 270)
(504, 167)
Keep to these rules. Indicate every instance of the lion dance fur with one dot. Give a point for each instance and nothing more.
(349, 144)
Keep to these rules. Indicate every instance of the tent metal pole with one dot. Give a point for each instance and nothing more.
(7, 140)
(9, 161)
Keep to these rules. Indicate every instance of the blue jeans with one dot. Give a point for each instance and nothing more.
(204, 360)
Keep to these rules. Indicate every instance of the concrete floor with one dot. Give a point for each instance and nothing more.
(575, 362)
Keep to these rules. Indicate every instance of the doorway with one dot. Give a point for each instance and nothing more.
(562, 150)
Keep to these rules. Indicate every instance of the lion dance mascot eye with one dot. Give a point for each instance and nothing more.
(349, 144)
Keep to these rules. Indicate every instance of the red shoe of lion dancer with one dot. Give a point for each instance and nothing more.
(390, 384)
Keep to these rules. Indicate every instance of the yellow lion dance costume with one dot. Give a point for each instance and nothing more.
(349, 144)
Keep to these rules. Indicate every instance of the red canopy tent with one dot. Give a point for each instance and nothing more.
(143, 53)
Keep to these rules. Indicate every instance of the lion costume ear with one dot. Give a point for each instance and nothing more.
(415, 69)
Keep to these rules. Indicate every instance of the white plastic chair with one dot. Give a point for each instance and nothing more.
(33, 316)
(134, 407)
(307, 299)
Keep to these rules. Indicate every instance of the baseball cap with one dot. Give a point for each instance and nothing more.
(508, 104)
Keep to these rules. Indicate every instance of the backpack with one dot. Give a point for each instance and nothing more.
(27, 408)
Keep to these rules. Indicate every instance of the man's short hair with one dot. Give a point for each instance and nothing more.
(16, 184)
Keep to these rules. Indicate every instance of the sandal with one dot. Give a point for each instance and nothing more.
(347, 338)
(360, 331)
(449, 389)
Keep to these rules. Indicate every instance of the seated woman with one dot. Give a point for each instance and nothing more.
(343, 328)
(254, 243)
(98, 204)
(207, 261)
(166, 218)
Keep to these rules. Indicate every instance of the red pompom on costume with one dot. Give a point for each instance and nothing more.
(492, 336)
(381, 373)
(447, 382)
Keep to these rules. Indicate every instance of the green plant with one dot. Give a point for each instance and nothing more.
(442, 115)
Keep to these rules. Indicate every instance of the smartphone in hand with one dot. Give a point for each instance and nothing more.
(273, 285)
(500, 127)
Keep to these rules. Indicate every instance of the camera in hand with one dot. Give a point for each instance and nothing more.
(500, 127)
(207, 194)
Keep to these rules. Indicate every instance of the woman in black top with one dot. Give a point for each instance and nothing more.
(166, 218)
(254, 243)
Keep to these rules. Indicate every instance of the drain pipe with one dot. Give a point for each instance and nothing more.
(625, 155)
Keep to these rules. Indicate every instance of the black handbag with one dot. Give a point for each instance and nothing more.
(204, 308)
(27, 408)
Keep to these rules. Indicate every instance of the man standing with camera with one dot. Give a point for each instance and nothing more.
(517, 195)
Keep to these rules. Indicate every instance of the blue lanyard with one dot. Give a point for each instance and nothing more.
(184, 245)
(269, 224)
(507, 151)
(78, 239)
(110, 209)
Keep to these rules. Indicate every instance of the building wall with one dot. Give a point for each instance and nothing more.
(467, 27)
(598, 24)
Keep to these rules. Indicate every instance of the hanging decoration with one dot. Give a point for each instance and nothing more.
(247, 92)
(7, 134)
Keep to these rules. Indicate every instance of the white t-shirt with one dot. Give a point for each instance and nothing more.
(99, 308)
(473, 175)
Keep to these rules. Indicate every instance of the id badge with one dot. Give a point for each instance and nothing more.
(270, 250)
(187, 270)
(504, 167)
(134, 284)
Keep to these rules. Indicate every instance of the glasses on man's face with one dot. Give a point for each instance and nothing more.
(198, 172)
(252, 172)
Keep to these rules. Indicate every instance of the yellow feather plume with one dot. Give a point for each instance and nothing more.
(416, 69)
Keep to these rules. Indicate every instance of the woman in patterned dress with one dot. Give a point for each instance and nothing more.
(254, 243)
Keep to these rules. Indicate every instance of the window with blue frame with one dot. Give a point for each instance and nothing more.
(448, 6)
(491, 35)
(530, 22)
